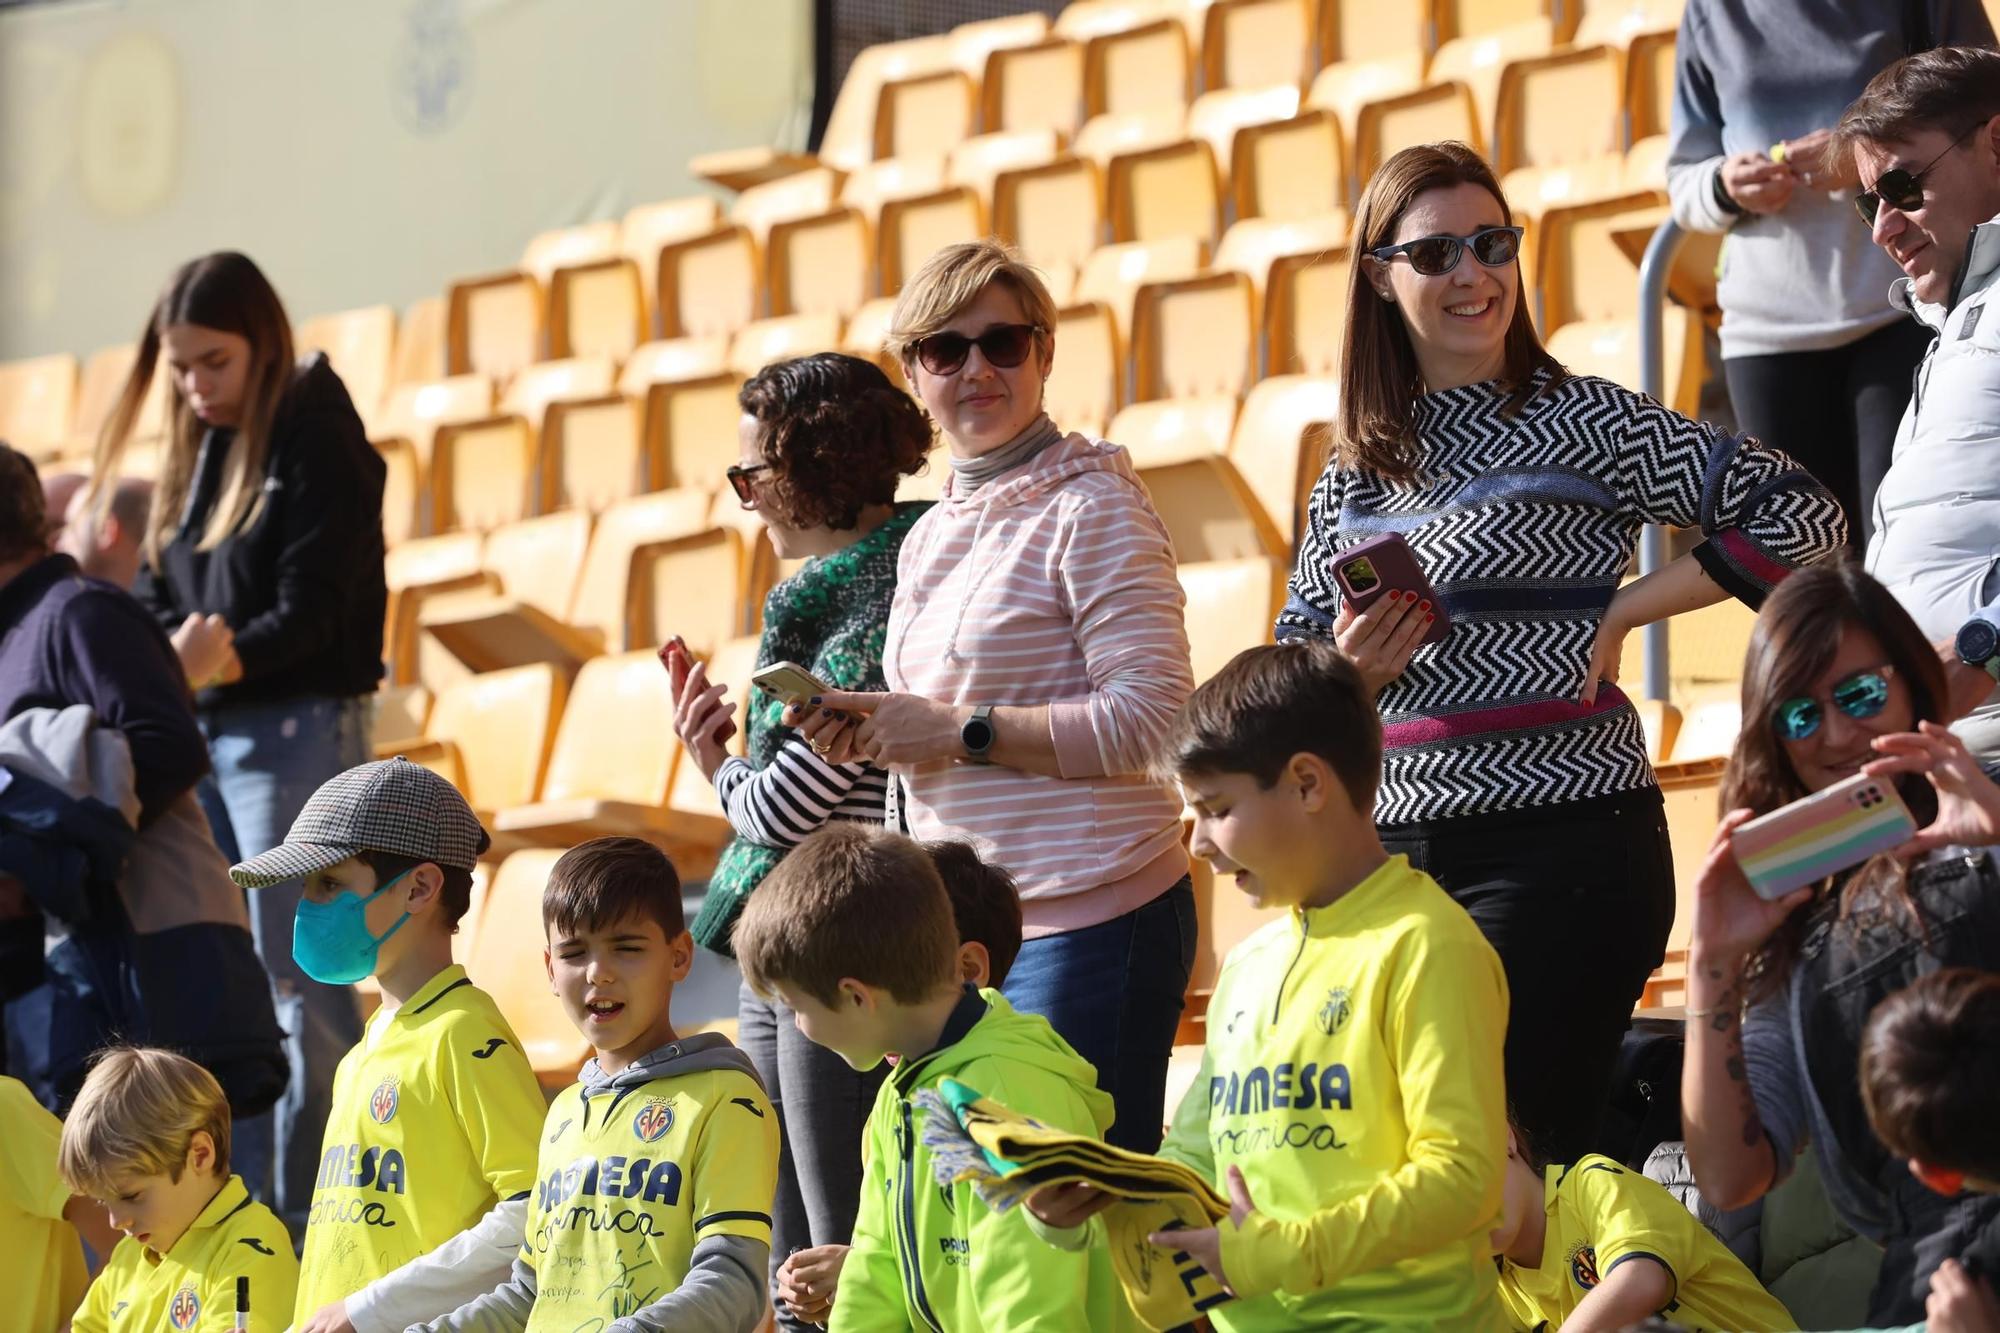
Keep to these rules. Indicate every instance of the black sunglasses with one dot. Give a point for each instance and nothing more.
(742, 480)
(1436, 255)
(1003, 345)
(1903, 189)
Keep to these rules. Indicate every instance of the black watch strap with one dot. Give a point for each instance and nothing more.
(1723, 200)
(977, 734)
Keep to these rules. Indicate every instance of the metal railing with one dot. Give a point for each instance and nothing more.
(1653, 270)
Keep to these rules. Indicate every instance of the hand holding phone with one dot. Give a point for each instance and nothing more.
(1821, 834)
(1383, 565)
(788, 683)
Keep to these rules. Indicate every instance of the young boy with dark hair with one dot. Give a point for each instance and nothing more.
(148, 1138)
(986, 907)
(1594, 1245)
(653, 1204)
(429, 1149)
(854, 931)
(1350, 1101)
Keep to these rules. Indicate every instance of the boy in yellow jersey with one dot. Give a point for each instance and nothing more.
(1598, 1246)
(148, 1138)
(853, 930)
(653, 1205)
(40, 1218)
(429, 1147)
(1350, 1101)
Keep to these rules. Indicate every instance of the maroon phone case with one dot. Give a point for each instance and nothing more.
(1394, 566)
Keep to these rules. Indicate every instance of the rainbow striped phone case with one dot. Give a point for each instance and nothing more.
(1828, 831)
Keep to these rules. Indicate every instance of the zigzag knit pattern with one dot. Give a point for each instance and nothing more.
(1524, 525)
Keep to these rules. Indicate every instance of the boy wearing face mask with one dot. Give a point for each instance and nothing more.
(429, 1150)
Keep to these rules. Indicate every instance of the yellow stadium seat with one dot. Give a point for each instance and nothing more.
(1342, 89)
(1649, 83)
(1384, 126)
(505, 958)
(597, 309)
(1231, 605)
(1081, 20)
(647, 227)
(1708, 731)
(1611, 348)
(1305, 313)
(850, 140)
(613, 761)
(1618, 22)
(519, 617)
(1219, 118)
(1254, 245)
(1288, 169)
(498, 324)
(1559, 111)
(1477, 58)
(1706, 647)
(973, 44)
(413, 414)
(977, 161)
(420, 343)
(1194, 337)
(489, 472)
(37, 402)
(361, 345)
(1278, 445)
(494, 325)
(1038, 87)
(914, 229)
(891, 178)
(1661, 723)
(763, 341)
(867, 331)
(1580, 269)
(475, 912)
(707, 284)
(604, 586)
(1105, 136)
(1180, 447)
(803, 195)
(500, 727)
(1086, 385)
(599, 450)
(402, 489)
(1256, 43)
(1137, 69)
(1156, 193)
(98, 390)
(582, 244)
(689, 586)
(1113, 274)
(1481, 18)
(1054, 213)
(1353, 30)
(415, 571)
(820, 265)
(925, 113)
(397, 716)
(758, 567)
(690, 430)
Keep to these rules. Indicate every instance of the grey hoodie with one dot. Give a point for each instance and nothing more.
(724, 1287)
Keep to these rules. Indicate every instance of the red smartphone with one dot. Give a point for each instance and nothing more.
(1384, 564)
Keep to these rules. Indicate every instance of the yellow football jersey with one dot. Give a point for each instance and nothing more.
(433, 1123)
(193, 1285)
(1601, 1214)
(631, 1178)
(43, 1252)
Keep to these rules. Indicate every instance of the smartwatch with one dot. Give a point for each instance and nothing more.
(977, 734)
(1978, 645)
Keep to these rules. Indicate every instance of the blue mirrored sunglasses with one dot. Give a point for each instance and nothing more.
(1862, 695)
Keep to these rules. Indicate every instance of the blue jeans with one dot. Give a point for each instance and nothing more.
(1114, 991)
(269, 758)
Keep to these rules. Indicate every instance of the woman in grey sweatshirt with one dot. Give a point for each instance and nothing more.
(1817, 361)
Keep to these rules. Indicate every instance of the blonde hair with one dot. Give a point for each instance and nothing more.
(952, 279)
(226, 292)
(138, 1111)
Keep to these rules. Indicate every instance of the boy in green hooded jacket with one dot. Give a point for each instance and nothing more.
(853, 930)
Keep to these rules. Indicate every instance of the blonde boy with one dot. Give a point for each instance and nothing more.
(429, 1147)
(1350, 1101)
(148, 1138)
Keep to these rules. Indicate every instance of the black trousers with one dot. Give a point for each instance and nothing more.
(1577, 900)
(1835, 411)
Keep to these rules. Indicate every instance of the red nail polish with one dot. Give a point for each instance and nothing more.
(1423, 606)
(1429, 619)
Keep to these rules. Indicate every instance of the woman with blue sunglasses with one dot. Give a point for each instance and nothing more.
(1839, 680)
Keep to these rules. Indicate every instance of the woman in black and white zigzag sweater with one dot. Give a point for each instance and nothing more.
(1514, 769)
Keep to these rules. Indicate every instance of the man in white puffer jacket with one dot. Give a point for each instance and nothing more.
(1925, 135)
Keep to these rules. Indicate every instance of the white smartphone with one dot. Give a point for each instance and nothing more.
(788, 683)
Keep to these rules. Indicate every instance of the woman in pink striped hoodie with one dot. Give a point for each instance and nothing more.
(1036, 653)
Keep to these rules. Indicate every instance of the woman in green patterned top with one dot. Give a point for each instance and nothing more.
(825, 440)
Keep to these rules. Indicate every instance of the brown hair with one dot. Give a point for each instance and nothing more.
(1275, 701)
(850, 901)
(599, 883)
(454, 898)
(951, 280)
(1797, 635)
(137, 1113)
(24, 514)
(837, 434)
(1379, 379)
(1930, 1071)
(985, 903)
(226, 292)
(1949, 88)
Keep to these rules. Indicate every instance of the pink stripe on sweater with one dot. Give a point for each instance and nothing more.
(1513, 717)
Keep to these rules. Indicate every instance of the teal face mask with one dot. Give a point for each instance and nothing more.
(331, 941)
